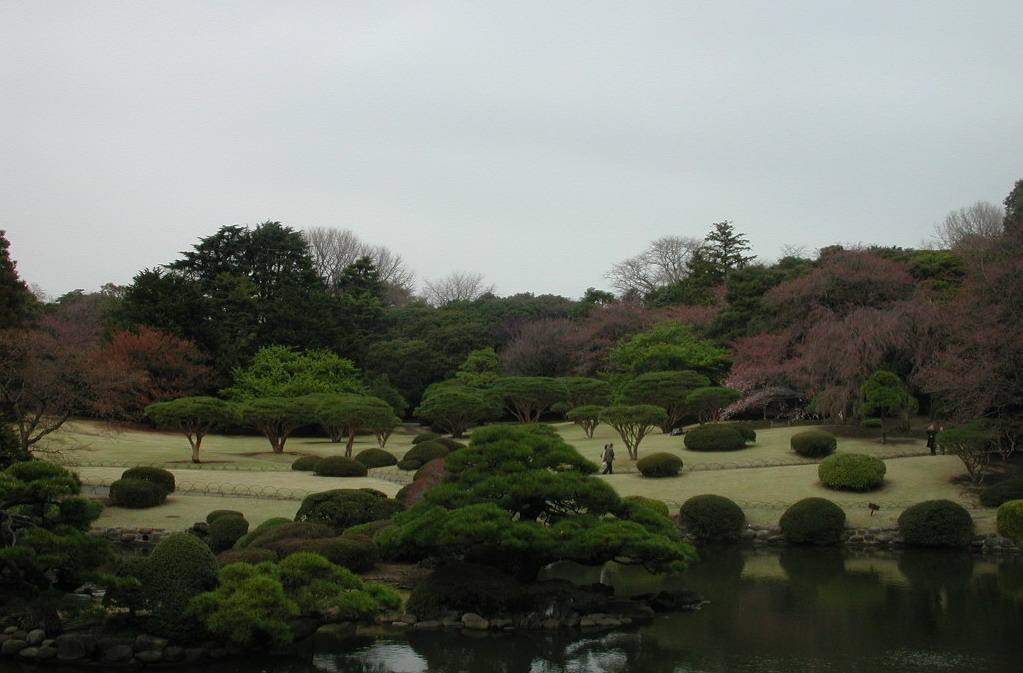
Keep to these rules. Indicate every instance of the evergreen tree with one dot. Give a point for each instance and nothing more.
(16, 301)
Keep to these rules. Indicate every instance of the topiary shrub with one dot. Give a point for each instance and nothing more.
(306, 463)
(996, 494)
(355, 552)
(217, 513)
(157, 475)
(936, 523)
(423, 453)
(658, 506)
(450, 444)
(251, 555)
(425, 437)
(340, 466)
(1010, 519)
(369, 529)
(659, 465)
(301, 530)
(852, 472)
(181, 566)
(747, 431)
(274, 521)
(225, 530)
(813, 521)
(345, 507)
(376, 458)
(813, 443)
(714, 437)
(712, 518)
(136, 493)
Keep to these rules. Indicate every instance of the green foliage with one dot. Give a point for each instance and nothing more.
(376, 458)
(669, 346)
(180, 567)
(936, 523)
(747, 432)
(1010, 519)
(714, 437)
(425, 437)
(17, 303)
(340, 466)
(225, 530)
(658, 506)
(11, 450)
(254, 604)
(358, 553)
(480, 369)
(342, 416)
(668, 390)
(813, 443)
(587, 417)
(283, 371)
(633, 423)
(450, 444)
(157, 475)
(872, 423)
(194, 417)
(345, 507)
(1010, 489)
(217, 513)
(712, 518)
(527, 397)
(852, 472)
(136, 493)
(883, 394)
(455, 408)
(813, 521)
(708, 403)
(253, 556)
(276, 418)
(306, 463)
(422, 453)
(659, 465)
(468, 587)
(266, 538)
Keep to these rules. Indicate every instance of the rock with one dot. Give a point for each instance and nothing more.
(336, 629)
(72, 647)
(428, 624)
(172, 654)
(144, 641)
(550, 623)
(28, 653)
(149, 656)
(471, 620)
(12, 646)
(10, 629)
(36, 637)
(20, 634)
(46, 652)
(118, 654)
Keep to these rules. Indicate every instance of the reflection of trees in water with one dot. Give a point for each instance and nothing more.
(936, 569)
(1010, 579)
(812, 564)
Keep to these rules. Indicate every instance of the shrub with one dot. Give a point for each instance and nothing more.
(136, 493)
(871, 423)
(11, 450)
(714, 437)
(450, 444)
(355, 552)
(1010, 519)
(376, 458)
(226, 530)
(180, 567)
(345, 507)
(340, 466)
(251, 555)
(425, 437)
(424, 452)
(217, 513)
(996, 494)
(852, 472)
(747, 431)
(369, 529)
(274, 521)
(659, 465)
(468, 587)
(306, 463)
(814, 443)
(936, 523)
(289, 531)
(157, 475)
(658, 506)
(813, 521)
(713, 518)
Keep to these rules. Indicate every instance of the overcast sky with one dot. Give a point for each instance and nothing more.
(537, 143)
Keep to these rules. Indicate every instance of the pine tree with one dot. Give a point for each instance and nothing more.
(16, 300)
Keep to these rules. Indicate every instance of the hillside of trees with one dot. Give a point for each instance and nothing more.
(798, 336)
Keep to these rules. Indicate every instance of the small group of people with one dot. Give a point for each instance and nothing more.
(607, 458)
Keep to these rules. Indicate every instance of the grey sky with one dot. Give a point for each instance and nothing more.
(537, 143)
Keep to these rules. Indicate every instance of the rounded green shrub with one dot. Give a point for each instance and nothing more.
(136, 493)
(358, 553)
(713, 518)
(225, 530)
(301, 530)
(996, 494)
(936, 523)
(658, 506)
(852, 472)
(813, 443)
(369, 529)
(1010, 519)
(180, 567)
(217, 513)
(157, 475)
(714, 437)
(450, 444)
(813, 521)
(306, 463)
(871, 423)
(340, 466)
(343, 508)
(409, 465)
(424, 452)
(425, 437)
(659, 465)
(274, 521)
(376, 458)
(747, 431)
(252, 555)
(39, 470)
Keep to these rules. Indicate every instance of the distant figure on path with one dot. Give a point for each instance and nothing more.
(608, 458)
(932, 438)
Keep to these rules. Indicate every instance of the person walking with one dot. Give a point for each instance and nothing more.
(608, 458)
(932, 439)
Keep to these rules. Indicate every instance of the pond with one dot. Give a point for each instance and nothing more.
(795, 610)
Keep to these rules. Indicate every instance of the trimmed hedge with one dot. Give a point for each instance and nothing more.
(450, 444)
(376, 458)
(714, 437)
(225, 530)
(180, 567)
(136, 493)
(747, 431)
(659, 465)
(306, 463)
(157, 475)
(422, 453)
(340, 466)
(996, 494)
(1010, 519)
(936, 523)
(217, 513)
(852, 472)
(358, 553)
(814, 443)
(263, 538)
(252, 555)
(658, 506)
(346, 507)
(425, 437)
(712, 518)
(813, 521)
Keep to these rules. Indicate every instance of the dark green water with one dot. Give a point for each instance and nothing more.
(797, 611)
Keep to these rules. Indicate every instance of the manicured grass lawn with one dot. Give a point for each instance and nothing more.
(769, 475)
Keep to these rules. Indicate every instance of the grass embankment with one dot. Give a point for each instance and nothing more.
(764, 478)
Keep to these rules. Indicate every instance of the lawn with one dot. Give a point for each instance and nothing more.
(240, 472)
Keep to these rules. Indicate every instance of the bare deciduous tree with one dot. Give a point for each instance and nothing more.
(972, 228)
(456, 286)
(664, 262)
(334, 250)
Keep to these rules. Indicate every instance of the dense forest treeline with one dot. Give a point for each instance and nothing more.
(803, 332)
